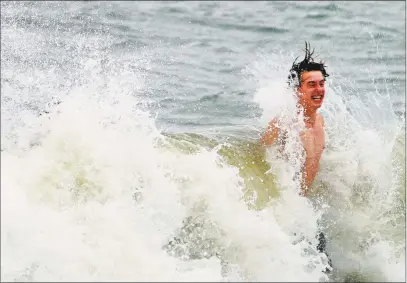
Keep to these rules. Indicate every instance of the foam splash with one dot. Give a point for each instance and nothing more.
(92, 191)
(361, 179)
(100, 198)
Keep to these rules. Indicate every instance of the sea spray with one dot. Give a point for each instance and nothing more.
(360, 180)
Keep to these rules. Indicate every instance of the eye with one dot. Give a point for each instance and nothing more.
(322, 83)
(311, 84)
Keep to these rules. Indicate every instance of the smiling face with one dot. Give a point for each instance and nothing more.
(312, 90)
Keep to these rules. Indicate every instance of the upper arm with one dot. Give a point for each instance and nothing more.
(271, 133)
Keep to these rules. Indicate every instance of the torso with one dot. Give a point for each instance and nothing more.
(313, 139)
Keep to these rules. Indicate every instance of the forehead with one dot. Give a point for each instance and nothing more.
(312, 76)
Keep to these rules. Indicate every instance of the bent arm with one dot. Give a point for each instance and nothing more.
(312, 162)
(309, 172)
(271, 133)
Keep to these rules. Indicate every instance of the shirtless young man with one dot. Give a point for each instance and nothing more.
(307, 78)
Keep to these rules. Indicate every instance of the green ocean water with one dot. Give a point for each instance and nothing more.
(125, 122)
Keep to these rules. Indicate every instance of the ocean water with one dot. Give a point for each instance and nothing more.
(129, 142)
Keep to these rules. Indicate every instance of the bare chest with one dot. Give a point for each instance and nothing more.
(313, 140)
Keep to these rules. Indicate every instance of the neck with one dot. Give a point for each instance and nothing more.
(310, 116)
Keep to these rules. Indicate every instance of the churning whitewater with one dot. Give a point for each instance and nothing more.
(127, 156)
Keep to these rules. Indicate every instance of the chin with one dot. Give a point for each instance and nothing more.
(317, 104)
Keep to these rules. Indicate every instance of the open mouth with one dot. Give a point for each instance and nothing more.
(317, 97)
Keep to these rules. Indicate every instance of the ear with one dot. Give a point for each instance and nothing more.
(298, 92)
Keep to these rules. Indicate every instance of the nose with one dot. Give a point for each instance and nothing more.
(320, 88)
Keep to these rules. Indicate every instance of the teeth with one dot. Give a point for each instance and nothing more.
(317, 97)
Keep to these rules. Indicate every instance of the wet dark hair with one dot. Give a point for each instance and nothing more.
(306, 65)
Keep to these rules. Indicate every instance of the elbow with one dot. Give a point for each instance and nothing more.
(263, 140)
